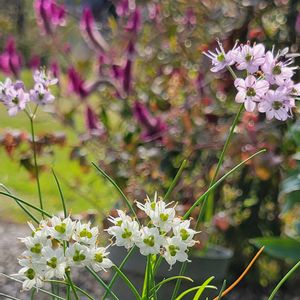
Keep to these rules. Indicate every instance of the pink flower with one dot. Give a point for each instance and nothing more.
(250, 91)
(276, 104)
(10, 59)
(92, 122)
(275, 70)
(16, 99)
(125, 7)
(49, 15)
(76, 83)
(90, 32)
(250, 58)
(220, 59)
(40, 95)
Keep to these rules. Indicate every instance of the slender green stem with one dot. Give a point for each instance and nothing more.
(220, 162)
(222, 290)
(37, 177)
(202, 197)
(128, 283)
(145, 292)
(26, 203)
(33, 293)
(284, 279)
(21, 205)
(61, 194)
(178, 282)
(72, 285)
(9, 297)
(120, 267)
(175, 180)
(127, 201)
(75, 286)
(102, 283)
(52, 290)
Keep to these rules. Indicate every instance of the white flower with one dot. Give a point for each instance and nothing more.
(77, 255)
(175, 250)
(98, 259)
(250, 91)
(220, 59)
(4, 86)
(250, 58)
(182, 230)
(149, 206)
(35, 243)
(85, 234)
(276, 104)
(122, 217)
(62, 229)
(163, 216)
(150, 241)
(30, 273)
(55, 262)
(126, 233)
(40, 95)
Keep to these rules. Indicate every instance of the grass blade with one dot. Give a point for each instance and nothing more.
(61, 194)
(202, 288)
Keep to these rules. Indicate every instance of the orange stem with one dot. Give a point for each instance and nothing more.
(243, 274)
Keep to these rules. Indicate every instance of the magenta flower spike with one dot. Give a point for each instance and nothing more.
(10, 59)
(76, 83)
(90, 32)
(92, 122)
(134, 22)
(154, 127)
(49, 15)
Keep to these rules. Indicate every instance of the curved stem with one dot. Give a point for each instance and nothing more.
(72, 285)
(283, 280)
(220, 162)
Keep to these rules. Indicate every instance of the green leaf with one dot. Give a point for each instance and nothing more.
(280, 247)
(202, 288)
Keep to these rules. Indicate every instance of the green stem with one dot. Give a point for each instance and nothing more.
(31, 118)
(116, 274)
(26, 203)
(284, 279)
(202, 197)
(178, 282)
(145, 292)
(61, 194)
(76, 287)
(72, 285)
(175, 180)
(128, 283)
(220, 162)
(127, 201)
(102, 283)
(21, 205)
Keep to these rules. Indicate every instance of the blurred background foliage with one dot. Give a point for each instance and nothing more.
(136, 96)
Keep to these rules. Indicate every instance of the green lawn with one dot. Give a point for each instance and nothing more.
(83, 190)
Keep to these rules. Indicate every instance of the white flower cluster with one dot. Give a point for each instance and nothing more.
(15, 97)
(55, 247)
(165, 234)
(266, 78)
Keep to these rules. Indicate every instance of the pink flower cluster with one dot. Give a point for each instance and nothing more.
(263, 80)
(15, 96)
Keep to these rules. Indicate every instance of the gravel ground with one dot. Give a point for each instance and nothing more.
(10, 249)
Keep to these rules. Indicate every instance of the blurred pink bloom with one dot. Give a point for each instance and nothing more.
(190, 19)
(49, 15)
(92, 122)
(10, 59)
(76, 83)
(54, 69)
(125, 7)
(297, 24)
(90, 32)
(154, 127)
(134, 22)
(34, 62)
